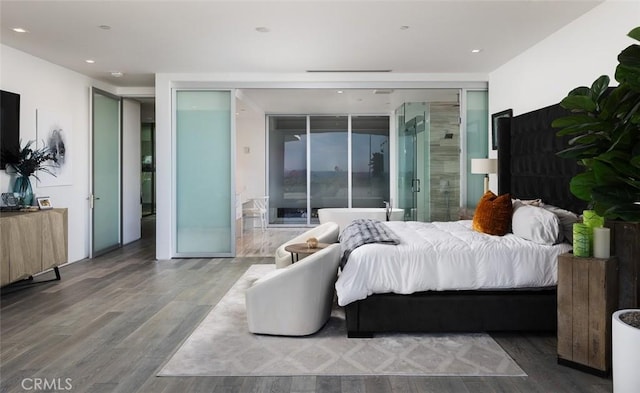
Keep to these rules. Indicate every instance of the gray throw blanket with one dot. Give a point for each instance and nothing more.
(364, 231)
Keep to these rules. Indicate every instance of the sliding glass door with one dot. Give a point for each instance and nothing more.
(204, 201)
(325, 161)
(369, 161)
(287, 170)
(329, 157)
(148, 177)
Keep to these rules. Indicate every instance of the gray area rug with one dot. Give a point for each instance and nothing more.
(222, 345)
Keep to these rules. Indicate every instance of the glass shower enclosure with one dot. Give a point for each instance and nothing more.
(429, 160)
(412, 126)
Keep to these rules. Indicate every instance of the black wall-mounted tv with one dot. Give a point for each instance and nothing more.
(9, 127)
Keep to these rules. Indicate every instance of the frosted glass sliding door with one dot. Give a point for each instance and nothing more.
(477, 141)
(106, 184)
(204, 216)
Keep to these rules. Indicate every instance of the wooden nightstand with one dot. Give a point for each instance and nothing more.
(587, 297)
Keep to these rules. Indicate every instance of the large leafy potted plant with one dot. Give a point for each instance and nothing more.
(605, 139)
(605, 130)
(604, 127)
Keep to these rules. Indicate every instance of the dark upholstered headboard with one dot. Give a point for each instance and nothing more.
(528, 166)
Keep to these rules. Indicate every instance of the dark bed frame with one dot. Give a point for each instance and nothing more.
(528, 168)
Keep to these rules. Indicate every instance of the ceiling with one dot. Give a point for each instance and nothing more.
(143, 37)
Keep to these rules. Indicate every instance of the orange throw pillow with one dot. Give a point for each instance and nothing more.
(493, 214)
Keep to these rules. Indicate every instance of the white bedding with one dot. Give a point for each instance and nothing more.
(446, 256)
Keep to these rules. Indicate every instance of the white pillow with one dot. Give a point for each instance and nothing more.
(536, 224)
(532, 202)
(567, 219)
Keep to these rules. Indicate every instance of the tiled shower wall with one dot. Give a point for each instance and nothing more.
(445, 161)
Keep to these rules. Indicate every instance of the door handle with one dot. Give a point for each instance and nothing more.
(415, 185)
(92, 198)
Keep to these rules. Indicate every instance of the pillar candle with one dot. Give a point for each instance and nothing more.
(581, 240)
(591, 219)
(601, 242)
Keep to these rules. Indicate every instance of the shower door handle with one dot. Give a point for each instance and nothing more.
(415, 185)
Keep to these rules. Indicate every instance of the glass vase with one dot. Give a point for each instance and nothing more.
(22, 187)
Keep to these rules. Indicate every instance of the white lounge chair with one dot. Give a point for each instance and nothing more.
(296, 300)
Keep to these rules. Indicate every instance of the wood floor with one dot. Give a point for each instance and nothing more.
(112, 322)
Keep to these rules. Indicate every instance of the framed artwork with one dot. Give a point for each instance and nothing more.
(54, 131)
(44, 203)
(9, 199)
(506, 114)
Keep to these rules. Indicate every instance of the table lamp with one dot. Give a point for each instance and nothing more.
(484, 166)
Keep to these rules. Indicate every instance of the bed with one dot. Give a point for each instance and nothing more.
(528, 169)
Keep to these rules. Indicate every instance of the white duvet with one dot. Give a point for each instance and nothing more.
(446, 256)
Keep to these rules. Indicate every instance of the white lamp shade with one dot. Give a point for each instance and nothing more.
(483, 166)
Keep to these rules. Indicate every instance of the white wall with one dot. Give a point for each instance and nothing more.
(251, 164)
(49, 87)
(131, 171)
(573, 56)
(164, 177)
(46, 86)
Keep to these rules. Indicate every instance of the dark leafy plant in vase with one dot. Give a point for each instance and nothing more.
(605, 130)
(28, 161)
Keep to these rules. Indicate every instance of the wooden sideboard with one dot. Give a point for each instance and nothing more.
(32, 242)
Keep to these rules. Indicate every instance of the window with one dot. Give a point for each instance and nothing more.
(311, 166)
(370, 160)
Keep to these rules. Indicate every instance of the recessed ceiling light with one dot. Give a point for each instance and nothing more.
(338, 71)
(476, 50)
(90, 61)
(105, 27)
(117, 74)
(263, 29)
(340, 91)
(19, 30)
(404, 27)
